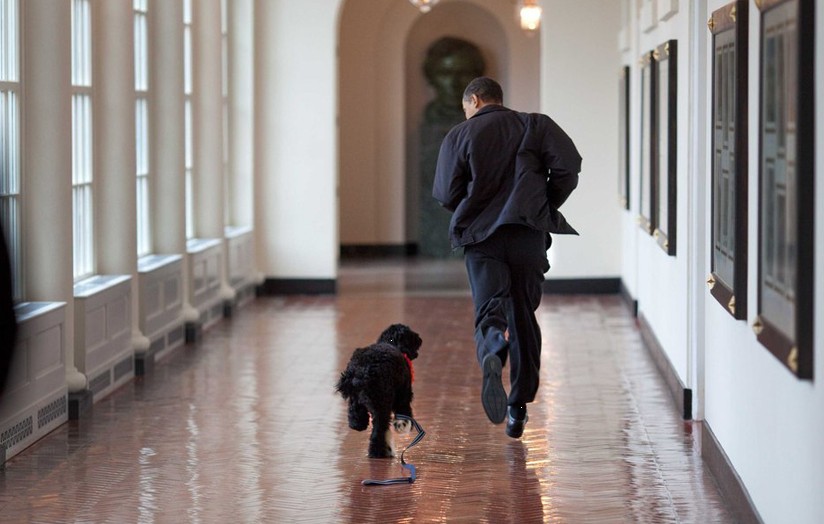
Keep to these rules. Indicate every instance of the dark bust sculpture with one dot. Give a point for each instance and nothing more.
(451, 63)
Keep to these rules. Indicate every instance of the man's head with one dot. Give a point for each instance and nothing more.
(481, 92)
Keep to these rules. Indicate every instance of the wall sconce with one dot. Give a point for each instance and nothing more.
(530, 16)
(424, 5)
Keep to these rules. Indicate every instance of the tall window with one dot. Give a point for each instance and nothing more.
(188, 123)
(82, 163)
(141, 87)
(224, 33)
(10, 138)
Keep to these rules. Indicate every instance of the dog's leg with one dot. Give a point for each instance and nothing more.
(358, 415)
(380, 442)
(403, 406)
(402, 426)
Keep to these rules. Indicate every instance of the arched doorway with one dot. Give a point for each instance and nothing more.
(382, 91)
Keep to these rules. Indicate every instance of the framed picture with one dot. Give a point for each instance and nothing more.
(665, 135)
(786, 244)
(728, 278)
(623, 138)
(646, 192)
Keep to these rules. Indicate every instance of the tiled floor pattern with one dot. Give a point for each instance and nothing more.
(245, 427)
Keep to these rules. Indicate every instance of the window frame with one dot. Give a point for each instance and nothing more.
(12, 190)
(83, 179)
(188, 118)
(143, 172)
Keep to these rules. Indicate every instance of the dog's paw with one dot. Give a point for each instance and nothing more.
(384, 448)
(402, 426)
(358, 424)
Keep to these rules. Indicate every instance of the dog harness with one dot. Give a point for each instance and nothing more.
(411, 367)
(412, 471)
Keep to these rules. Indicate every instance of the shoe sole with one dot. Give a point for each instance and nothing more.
(493, 395)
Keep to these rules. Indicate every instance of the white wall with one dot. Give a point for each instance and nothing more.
(296, 208)
(579, 90)
(658, 281)
(768, 422)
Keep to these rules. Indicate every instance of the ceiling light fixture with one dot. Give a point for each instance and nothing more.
(530, 16)
(424, 5)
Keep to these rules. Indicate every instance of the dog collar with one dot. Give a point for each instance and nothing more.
(411, 367)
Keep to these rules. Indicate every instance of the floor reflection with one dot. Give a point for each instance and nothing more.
(244, 426)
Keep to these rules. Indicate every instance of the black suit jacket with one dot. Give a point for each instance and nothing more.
(505, 167)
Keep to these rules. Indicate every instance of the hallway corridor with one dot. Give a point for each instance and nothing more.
(244, 426)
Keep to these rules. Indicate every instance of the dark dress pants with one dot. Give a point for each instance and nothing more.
(506, 273)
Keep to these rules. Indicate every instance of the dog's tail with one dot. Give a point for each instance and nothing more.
(348, 385)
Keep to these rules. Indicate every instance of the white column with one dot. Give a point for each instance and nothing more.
(114, 130)
(696, 206)
(207, 102)
(167, 130)
(48, 163)
(296, 151)
(167, 135)
(241, 112)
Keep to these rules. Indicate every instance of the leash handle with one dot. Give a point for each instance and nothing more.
(412, 470)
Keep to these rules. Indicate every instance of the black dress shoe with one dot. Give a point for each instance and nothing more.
(493, 395)
(515, 426)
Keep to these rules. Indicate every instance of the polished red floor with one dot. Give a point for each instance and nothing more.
(245, 426)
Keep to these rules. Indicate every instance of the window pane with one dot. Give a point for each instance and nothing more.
(142, 172)
(187, 60)
(141, 66)
(9, 25)
(188, 132)
(190, 211)
(81, 43)
(10, 141)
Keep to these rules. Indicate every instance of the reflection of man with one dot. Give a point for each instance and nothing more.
(504, 175)
(450, 64)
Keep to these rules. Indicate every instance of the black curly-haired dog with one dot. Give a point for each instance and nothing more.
(378, 382)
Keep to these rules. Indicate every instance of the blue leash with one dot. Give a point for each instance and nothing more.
(402, 480)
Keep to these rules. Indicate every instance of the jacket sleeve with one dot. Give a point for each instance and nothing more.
(451, 174)
(563, 161)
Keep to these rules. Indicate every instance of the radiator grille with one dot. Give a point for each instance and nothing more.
(175, 335)
(100, 382)
(17, 433)
(52, 411)
(123, 367)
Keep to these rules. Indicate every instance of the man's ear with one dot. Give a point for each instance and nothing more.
(476, 102)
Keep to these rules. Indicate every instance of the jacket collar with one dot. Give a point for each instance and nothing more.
(489, 109)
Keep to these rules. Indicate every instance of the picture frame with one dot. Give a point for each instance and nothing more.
(786, 243)
(623, 138)
(665, 172)
(648, 145)
(729, 27)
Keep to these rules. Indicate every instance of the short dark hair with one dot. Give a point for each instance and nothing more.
(486, 89)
